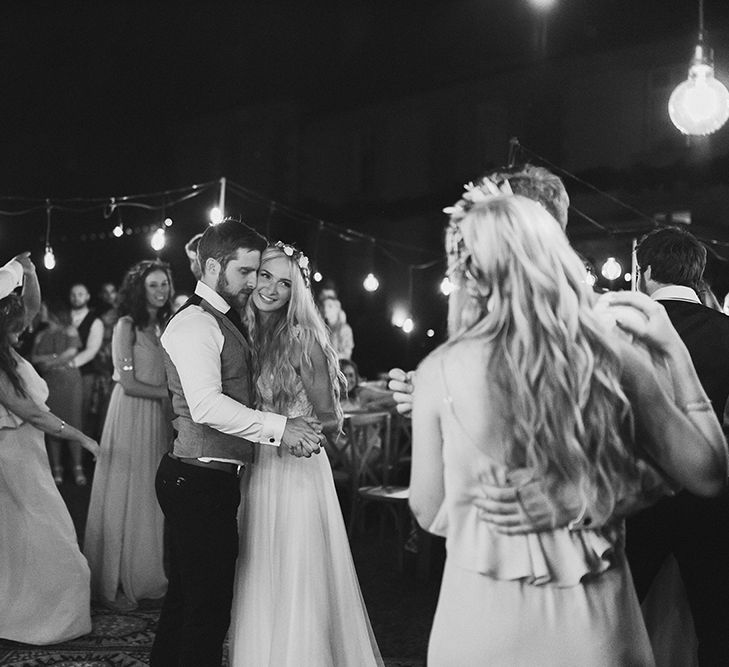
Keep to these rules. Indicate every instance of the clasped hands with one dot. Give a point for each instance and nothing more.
(303, 436)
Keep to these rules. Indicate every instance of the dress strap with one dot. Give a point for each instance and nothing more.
(448, 400)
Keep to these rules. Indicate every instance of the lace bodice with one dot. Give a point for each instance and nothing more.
(301, 405)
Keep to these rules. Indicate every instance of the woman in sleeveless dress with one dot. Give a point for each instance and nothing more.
(124, 529)
(297, 599)
(529, 378)
(44, 579)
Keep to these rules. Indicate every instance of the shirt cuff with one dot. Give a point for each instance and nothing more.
(272, 429)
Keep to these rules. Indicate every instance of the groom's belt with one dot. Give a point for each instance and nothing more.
(232, 468)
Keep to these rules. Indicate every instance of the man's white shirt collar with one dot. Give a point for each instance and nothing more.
(212, 297)
(675, 293)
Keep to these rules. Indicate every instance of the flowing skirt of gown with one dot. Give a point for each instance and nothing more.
(44, 579)
(124, 529)
(297, 600)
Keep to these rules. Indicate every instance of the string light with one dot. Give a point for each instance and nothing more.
(590, 278)
(408, 325)
(430, 333)
(118, 231)
(611, 269)
(399, 315)
(371, 283)
(215, 215)
(628, 277)
(446, 286)
(159, 239)
(317, 277)
(168, 222)
(700, 105)
(49, 259)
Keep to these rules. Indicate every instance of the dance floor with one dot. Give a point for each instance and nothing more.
(401, 609)
(117, 640)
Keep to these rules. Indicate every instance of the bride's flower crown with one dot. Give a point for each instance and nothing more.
(301, 260)
(455, 247)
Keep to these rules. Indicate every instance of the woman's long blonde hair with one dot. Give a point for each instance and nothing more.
(274, 340)
(523, 290)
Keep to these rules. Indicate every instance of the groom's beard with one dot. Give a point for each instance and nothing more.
(237, 300)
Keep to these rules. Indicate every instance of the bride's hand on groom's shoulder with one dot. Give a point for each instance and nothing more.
(302, 436)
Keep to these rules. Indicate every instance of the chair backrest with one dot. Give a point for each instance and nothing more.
(368, 452)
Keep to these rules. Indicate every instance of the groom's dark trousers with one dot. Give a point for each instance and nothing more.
(200, 506)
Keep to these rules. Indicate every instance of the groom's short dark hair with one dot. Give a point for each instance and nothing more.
(221, 242)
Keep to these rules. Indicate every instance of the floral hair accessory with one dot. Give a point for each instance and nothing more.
(475, 193)
(302, 261)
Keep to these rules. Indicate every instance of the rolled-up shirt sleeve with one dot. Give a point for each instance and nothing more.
(193, 341)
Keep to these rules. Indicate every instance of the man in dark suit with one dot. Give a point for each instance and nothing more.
(695, 530)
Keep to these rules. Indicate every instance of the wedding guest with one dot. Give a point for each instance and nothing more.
(124, 529)
(530, 378)
(108, 313)
(91, 331)
(340, 333)
(694, 530)
(291, 522)
(44, 579)
(53, 348)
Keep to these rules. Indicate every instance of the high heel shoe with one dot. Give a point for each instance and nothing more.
(78, 476)
(58, 475)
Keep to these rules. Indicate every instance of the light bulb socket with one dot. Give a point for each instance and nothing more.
(703, 55)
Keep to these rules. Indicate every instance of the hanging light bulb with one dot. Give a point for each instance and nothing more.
(118, 231)
(398, 316)
(430, 333)
(168, 222)
(317, 277)
(700, 105)
(371, 283)
(446, 286)
(611, 269)
(158, 239)
(408, 325)
(49, 259)
(216, 215)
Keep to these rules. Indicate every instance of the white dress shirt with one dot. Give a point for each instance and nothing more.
(675, 293)
(194, 342)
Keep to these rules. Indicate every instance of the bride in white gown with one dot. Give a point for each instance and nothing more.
(297, 600)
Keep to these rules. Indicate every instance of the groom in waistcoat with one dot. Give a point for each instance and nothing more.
(208, 361)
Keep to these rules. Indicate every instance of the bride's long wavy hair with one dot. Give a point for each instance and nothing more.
(523, 291)
(275, 338)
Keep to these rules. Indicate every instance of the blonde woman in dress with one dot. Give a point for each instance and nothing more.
(530, 378)
(124, 528)
(297, 599)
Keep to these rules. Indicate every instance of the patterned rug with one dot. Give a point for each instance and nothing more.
(116, 640)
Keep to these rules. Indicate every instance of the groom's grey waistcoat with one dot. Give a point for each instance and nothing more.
(198, 440)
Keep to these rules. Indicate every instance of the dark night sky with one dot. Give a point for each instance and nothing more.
(90, 91)
(87, 87)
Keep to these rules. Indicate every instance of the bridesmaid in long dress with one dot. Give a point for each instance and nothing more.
(297, 600)
(124, 529)
(530, 378)
(44, 579)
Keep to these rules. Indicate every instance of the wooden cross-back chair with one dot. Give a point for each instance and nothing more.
(374, 471)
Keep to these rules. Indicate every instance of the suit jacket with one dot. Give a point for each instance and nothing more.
(705, 332)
